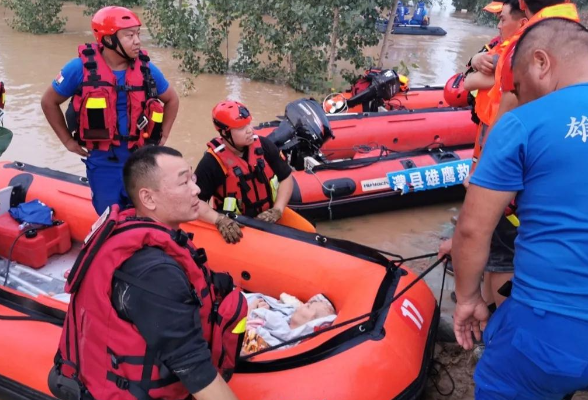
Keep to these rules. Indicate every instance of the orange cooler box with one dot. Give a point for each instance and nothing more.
(33, 249)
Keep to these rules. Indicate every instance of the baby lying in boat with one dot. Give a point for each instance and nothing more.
(272, 321)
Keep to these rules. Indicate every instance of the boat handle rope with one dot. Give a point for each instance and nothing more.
(366, 315)
(331, 191)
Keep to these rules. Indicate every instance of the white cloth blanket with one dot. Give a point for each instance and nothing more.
(274, 323)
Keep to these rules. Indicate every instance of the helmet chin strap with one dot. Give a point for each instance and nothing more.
(117, 47)
(226, 135)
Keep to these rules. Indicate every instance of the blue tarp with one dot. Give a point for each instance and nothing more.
(33, 212)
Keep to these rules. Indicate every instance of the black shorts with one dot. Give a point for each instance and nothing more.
(502, 247)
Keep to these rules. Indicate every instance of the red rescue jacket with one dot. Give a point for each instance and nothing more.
(249, 182)
(92, 117)
(105, 355)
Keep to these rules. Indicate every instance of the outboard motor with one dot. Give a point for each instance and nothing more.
(384, 84)
(303, 132)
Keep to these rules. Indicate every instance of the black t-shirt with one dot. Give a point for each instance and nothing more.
(170, 322)
(210, 174)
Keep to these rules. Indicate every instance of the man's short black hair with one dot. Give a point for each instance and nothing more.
(515, 9)
(141, 166)
(564, 38)
(537, 5)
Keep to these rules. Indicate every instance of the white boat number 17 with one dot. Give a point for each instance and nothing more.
(409, 310)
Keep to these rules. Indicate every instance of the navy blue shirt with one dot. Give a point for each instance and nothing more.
(540, 150)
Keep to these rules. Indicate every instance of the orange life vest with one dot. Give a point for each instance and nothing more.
(564, 10)
(483, 110)
(483, 98)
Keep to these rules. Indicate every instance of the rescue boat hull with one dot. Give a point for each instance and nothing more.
(405, 29)
(361, 185)
(398, 131)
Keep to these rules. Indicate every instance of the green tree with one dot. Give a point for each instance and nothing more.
(301, 41)
(94, 5)
(195, 31)
(36, 16)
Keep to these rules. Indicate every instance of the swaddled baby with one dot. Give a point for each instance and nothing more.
(276, 321)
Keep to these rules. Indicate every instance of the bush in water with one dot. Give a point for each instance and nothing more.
(299, 42)
(194, 29)
(94, 5)
(36, 16)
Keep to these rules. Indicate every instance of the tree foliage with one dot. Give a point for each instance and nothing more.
(36, 16)
(94, 5)
(195, 30)
(292, 41)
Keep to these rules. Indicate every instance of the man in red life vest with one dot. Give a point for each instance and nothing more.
(116, 95)
(147, 319)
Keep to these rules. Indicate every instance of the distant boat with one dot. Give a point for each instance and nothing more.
(418, 24)
(406, 29)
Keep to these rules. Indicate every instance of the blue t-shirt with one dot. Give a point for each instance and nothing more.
(71, 77)
(540, 150)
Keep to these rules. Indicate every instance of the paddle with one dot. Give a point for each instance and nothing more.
(5, 139)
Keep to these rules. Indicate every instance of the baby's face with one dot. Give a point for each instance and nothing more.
(310, 311)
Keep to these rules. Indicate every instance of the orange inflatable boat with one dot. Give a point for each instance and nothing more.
(379, 347)
(396, 130)
(343, 163)
(361, 184)
(383, 89)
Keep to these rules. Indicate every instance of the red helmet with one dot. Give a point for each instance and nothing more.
(109, 20)
(230, 114)
(454, 93)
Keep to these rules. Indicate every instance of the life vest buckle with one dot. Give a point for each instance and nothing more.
(181, 237)
(122, 383)
(152, 89)
(88, 52)
(199, 256)
(142, 122)
(113, 361)
(238, 172)
(91, 65)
